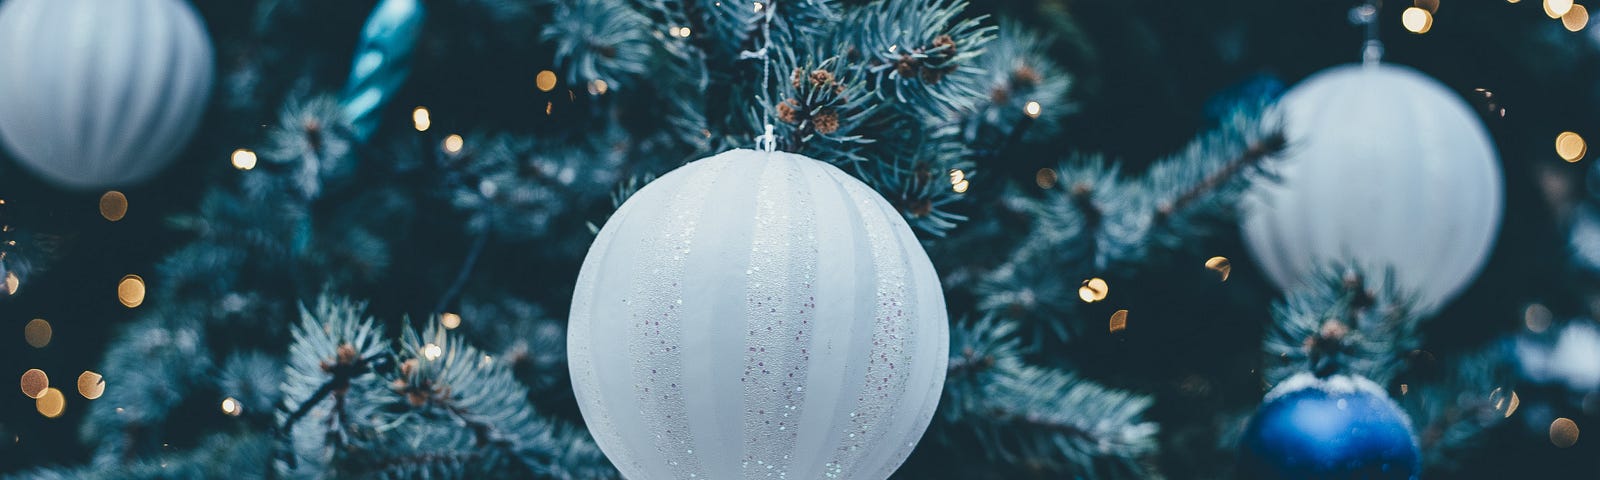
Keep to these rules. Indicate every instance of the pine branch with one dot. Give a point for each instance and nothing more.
(1252, 157)
(1040, 417)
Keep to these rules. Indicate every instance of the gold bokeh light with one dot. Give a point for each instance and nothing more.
(1119, 321)
(1571, 147)
(449, 320)
(1221, 265)
(130, 291)
(37, 333)
(545, 80)
(1576, 18)
(91, 385)
(1416, 20)
(421, 119)
(1564, 432)
(34, 382)
(51, 403)
(243, 159)
(432, 352)
(1557, 8)
(231, 407)
(453, 144)
(113, 205)
(1093, 290)
(1032, 109)
(1045, 178)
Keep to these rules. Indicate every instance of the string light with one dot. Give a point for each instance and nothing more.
(421, 119)
(12, 283)
(1576, 18)
(231, 407)
(1557, 8)
(51, 403)
(37, 332)
(243, 159)
(759, 6)
(113, 205)
(680, 32)
(449, 320)
(34, 383)
(1221, 265)
(1093, 290)
(432, 352)
(130, 291)
(546, 80)
(1571, 147)
(91, 385)
(1032, 109)
(598, 87)
(453, 144)
(960, 187)
(1417, 20)
(1119, 321)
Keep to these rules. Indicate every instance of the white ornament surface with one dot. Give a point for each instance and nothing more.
(757, 315)
(97, 93)
(1386, 167)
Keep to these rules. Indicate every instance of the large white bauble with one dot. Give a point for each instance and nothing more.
(1385, 167)
(98, 93)
(757, 315)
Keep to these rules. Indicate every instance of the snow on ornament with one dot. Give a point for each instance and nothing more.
(101, 93)
(1386, 167)
(755, 315)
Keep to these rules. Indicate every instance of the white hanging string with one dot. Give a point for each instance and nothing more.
(767, 141)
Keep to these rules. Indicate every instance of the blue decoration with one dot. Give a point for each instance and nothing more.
(382, 62)
(1334, 428)
(1257, 89)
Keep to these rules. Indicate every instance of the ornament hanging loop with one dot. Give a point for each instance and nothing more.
(1366, 15)
(767, 142)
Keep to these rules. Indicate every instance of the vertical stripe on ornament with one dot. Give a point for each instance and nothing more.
(382, 62)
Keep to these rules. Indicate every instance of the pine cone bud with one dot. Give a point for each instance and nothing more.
(821, 77)
(825, 122)
(1025, 76)
(346, 354)
(789, 111)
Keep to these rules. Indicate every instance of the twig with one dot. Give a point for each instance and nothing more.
(478, 245)
(1258, 151)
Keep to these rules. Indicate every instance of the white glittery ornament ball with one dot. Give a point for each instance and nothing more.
(757, 315)
(97, 93)
(1385, 167)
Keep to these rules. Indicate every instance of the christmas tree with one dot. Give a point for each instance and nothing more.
(300, 239)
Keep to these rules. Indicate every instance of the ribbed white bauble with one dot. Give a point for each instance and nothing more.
(1385, 167)
(98, 93)
(757, 315)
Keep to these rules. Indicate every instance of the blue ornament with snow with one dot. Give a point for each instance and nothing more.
(1335, 428)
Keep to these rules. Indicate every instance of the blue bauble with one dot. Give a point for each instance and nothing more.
(1340, 427)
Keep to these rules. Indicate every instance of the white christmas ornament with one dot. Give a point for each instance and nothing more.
(1385, 167)
(757, 315)
(97, 93)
